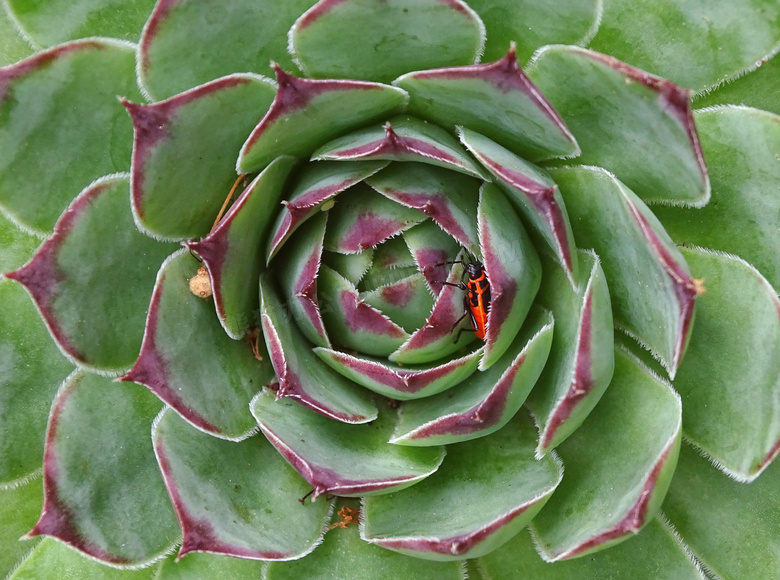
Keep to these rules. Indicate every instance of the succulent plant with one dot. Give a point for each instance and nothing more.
(254, 299)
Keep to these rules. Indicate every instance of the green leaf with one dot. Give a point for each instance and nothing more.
(485, 401)
(742, 146)
(92, 279)
(203, 565)
(363, 219)
(448, 198)
(440, 336)
(299, 264)
(696, 44)
(379, 40)
(241, 35)
(650, 286)
(495, 99)
(52, 559)
(618, 465)
(351, 322)
(730, 379)
(56, 21)
(235, 498)
(184, 153)
(338, 458)
(232, 253)
(431, 247)
(16, 245)
(532, 24)
(314, 189)
(657, 552)
(14, 44)
(103, 493)
(397, 382)
(532, 192)
(513, 270)
(757, 88)
(211, 392)
(486, 491)
(402, 139)
(620, 115)
(19, 510)
(307, 113)
(730, 527)
(582, 358)
(407, 302)
(343, 554)
(58, 108)
(303, 376)
(31, 370)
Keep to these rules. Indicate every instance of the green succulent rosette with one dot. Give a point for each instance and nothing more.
(625, 391)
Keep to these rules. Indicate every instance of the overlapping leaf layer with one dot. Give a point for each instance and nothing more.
(475, 278)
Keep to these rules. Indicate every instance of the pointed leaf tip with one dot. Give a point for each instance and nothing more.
(496, 99)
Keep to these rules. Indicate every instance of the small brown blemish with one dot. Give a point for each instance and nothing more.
(697, 285)
(349, 517)
(200, 284)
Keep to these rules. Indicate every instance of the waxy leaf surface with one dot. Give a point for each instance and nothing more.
(513, 270)
(241, 35)
(363, 219)
(658, 552)
(650, 287)
(184, 153)
(379, 40)
(341, 459)
(20, 507)
(56, 21)
(344, 554)
(439, 336)
(485, 492)
(233, 251)
(486, 400)
(299, 264)
(211, 392)
(731, 377)
(16, 246)
(91, 279)
(738, 538)
(53, 559)
(448, 198)
(495, 99)
(723, 38)
(407, 302)
(742, 146)
(301, 375)
(401, 383)
(402, 139)
(79, 128)
(532, 192)
(352, 323)
(531, 24)
(582, 357)
(758, 88)
(618, 465)
(307, 113)
(31, 370)
(235, 498)
(315, 186)
(620, 115)
(103, 493)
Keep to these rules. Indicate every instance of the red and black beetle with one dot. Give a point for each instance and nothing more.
(477, 298)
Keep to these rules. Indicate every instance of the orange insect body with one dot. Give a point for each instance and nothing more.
(477, 299)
